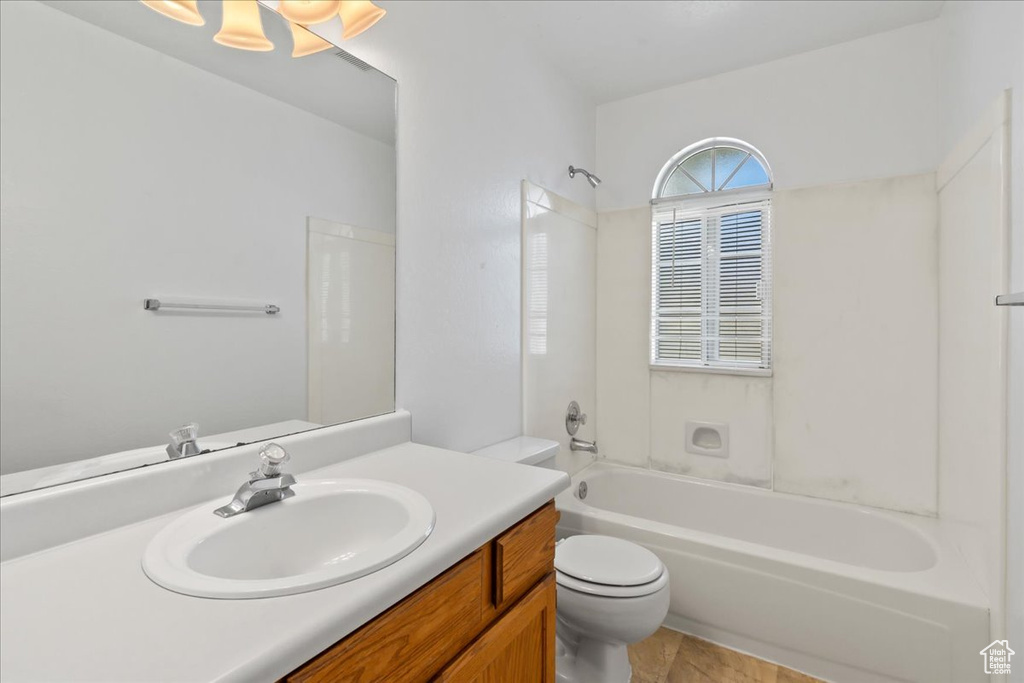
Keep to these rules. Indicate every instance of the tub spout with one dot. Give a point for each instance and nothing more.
(581, 445)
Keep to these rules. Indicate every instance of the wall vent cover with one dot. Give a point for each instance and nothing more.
(353, 60)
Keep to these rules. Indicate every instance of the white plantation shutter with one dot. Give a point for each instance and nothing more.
(711, 285)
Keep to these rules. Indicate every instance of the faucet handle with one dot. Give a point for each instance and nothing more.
(184, 433)
(183, 441)
(272, 457)
(574, 417)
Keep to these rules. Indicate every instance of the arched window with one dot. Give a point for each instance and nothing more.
(713, 165)
(711, 271)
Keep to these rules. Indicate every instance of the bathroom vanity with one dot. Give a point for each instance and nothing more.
(476, 595)
(492, 613)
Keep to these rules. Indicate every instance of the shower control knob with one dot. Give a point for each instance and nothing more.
(574, 417)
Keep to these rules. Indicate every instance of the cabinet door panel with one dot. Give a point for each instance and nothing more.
(518, 648)
(415, 638)
(523, 555)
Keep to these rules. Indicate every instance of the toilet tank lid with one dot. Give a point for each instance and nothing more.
(526, 450)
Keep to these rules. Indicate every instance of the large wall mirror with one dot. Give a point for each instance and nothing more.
(251, 194)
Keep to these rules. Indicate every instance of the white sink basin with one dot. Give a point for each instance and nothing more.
(329, 532)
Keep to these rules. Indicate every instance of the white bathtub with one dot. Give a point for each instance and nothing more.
(842, 592)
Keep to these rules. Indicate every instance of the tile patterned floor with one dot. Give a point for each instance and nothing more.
(672, 657)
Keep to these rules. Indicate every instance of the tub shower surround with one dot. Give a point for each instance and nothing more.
(783, 429)
(839, 591)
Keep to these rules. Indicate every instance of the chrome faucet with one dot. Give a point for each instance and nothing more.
(581, 445)
(268, 484)
(574, 417)
(183, 441)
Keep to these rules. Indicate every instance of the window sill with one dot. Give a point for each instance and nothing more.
(743, 372)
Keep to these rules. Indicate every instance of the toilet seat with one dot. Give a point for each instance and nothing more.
(607, 560)
(607, 566)
(605, 591)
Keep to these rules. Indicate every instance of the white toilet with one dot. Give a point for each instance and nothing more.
(610, 592)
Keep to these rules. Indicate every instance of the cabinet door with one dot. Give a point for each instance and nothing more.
(523, 555)
(518, 648)
(415, 638)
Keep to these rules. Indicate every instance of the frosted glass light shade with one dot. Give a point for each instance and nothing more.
(308, 11)
(306, 42)
(184, 11)
(359, 15)
(242, 27)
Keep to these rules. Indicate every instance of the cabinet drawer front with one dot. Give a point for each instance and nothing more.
(416, 637)
(518, 648)
(524, 554)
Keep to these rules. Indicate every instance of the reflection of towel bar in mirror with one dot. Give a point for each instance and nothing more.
(157, 304)
(1016, 299)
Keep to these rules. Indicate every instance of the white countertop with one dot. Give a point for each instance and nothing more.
(53, 475)
(85, 611)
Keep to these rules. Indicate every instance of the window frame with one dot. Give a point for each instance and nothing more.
(704, 203)
(657, 195)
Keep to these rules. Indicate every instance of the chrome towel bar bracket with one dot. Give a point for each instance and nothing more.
(1016, 299)
(157, 304)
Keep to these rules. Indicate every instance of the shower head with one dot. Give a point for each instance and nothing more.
(591, 178)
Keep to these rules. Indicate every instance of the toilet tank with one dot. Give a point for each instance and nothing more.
(525, 450)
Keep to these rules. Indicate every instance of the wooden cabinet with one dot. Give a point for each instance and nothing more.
(414, 638)
(489, 618)
(518, 648)
(523, 555)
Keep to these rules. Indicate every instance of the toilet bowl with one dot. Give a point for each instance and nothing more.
(610, 592)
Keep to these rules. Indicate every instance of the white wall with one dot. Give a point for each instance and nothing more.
(644, 413)
(559, 314)
(856, 342)
(982, 49)
(477, 113)
(118, 186)
(972, 349)
(859, 110)
(623, 335)
(742, 403)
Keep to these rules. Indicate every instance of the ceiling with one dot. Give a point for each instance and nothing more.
(322, 83)
(622, 48)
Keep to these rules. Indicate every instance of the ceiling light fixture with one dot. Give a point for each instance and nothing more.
(308, 11)
(242, 27)
(306, 42)
(359, 15)
(184, 11)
